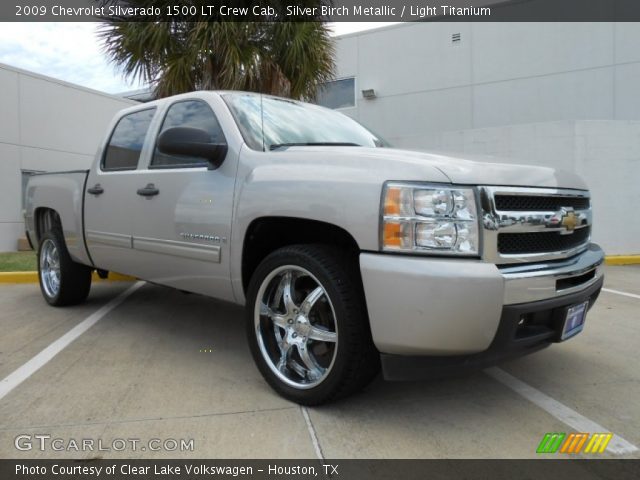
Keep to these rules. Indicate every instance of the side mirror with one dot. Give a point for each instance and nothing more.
(192, 142)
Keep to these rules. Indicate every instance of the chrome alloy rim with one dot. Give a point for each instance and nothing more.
(296, 327)
(50, 268)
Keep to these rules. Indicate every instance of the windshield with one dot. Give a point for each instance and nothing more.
(288, 123)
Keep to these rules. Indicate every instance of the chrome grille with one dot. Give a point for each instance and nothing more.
(538, 204)
(525, 225)
(538, 242)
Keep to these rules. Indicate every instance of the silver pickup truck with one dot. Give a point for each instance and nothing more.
(350, 256)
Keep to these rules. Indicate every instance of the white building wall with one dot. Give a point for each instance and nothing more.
(45, 124)
(556, 94)
(606, 153)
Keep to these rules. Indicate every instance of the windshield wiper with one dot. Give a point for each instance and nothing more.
(312, 144)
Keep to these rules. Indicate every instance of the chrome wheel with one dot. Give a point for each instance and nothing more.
(50, 268)
(296, 327)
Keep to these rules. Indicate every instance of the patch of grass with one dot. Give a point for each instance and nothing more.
(18, 262)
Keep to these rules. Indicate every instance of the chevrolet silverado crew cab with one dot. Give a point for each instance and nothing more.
(348, 255)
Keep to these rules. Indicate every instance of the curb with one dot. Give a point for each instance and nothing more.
(32, 277)
(622, 260)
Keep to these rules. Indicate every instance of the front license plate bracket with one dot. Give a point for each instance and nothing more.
(574, 318)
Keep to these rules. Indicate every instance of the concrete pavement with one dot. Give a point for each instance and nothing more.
(145, 372)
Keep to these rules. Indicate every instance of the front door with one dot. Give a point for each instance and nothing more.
(183, 212)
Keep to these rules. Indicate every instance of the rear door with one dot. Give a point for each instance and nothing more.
(182, 220)
(111, 194)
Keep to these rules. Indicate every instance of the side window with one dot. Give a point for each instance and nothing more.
(126, 141)
(190, 113)
(337, 93)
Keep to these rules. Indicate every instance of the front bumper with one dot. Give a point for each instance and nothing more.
(425, 306)
(523, 329)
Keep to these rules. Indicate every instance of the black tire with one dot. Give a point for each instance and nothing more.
(74, 279)
(354, 359)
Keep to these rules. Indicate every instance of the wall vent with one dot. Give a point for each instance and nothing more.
(455, 38)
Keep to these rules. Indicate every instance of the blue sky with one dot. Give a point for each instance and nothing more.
(72, 52)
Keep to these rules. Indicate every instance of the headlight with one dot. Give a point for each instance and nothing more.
(429, 219)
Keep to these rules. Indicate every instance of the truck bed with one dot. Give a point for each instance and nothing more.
(63, 192)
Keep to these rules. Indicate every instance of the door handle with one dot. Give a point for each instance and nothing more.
(149, 191)
(95, 190)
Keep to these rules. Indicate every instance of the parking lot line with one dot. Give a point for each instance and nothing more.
(618, 292)
(18, 376)
(617, 445)
(312, 433)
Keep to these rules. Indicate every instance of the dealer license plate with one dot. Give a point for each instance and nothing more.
(574, 320)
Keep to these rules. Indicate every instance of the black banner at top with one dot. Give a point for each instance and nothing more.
(321, 10)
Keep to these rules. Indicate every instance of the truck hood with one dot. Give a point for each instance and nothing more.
(463, 169)
(488, 170)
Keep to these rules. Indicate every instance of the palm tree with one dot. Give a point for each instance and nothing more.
(282, 58)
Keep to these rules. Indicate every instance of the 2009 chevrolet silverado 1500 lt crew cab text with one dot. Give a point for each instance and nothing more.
(347, 256)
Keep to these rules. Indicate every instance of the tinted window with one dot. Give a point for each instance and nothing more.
(337, 94)
(190, 113)
(126, 141)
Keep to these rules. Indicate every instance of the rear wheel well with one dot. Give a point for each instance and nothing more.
(268, 234)
(46, 219)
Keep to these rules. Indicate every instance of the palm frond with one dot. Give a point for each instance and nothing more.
(282, 58)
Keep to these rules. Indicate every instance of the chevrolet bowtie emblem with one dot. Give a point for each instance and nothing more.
(569, 221)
